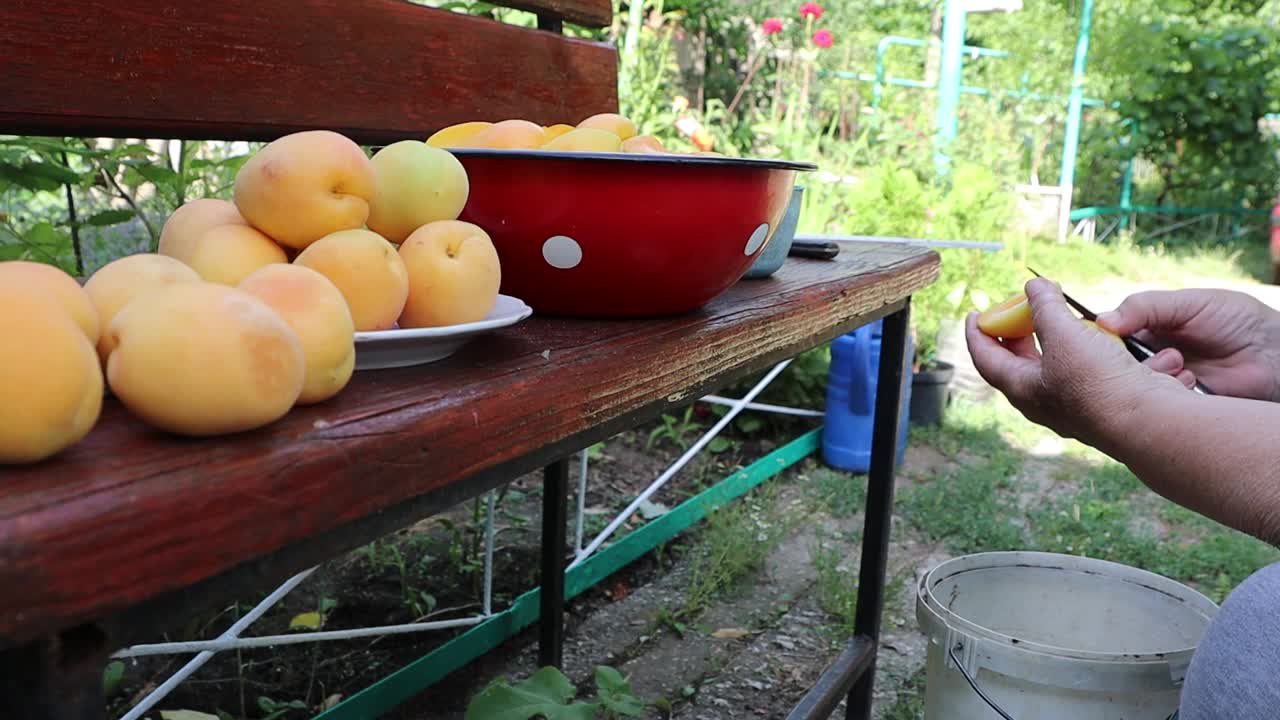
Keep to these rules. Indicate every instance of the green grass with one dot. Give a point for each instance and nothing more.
(733, 545)
(909, 704)
(1095, 507)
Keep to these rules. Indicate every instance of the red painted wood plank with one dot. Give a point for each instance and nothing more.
(376, 70)
(130, 514)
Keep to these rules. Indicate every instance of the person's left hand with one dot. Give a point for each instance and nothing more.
(1080, 383)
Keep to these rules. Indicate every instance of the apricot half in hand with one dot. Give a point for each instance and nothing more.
(1010, 319)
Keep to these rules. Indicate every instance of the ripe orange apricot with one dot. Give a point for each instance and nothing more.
(507, 135)
(457, 135)
(1010, 319)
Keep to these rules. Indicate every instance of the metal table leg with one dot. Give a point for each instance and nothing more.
(58, 677)
(879, 510)
(555, 498)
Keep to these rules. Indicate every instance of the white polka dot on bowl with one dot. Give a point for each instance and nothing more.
(562, 252)
(757, 239)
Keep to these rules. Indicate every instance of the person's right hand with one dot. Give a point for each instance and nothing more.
(1228, 340)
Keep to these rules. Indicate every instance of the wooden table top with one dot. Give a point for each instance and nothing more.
(131, 521)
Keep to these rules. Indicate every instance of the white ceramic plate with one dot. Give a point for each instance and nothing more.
(402, 348)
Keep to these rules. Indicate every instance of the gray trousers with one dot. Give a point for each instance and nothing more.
(1235, 672)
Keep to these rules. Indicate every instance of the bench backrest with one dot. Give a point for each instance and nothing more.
(375, 70)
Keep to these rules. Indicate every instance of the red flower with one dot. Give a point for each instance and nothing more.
(771, 26)
(811, 10)
(824, 39)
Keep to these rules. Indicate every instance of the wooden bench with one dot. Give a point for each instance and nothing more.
(131, 530)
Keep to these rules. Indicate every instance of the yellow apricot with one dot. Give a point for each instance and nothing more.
(454, 275)
(226, 254)
(314, 307)
(50, 381)
(367, 271)
(64, 289)
(204, 359)
(189, 222)
(118, 282)
(585, 140)
(416, 184)
(456, 135)
(508, 135)
(644, 144)
(554, 131)
(1010, 319)
(611, 122)
(304, 186)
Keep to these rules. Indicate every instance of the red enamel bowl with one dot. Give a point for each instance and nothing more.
(612, 235)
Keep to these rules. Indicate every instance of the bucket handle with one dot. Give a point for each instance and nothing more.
(951, 652)
(970, 656)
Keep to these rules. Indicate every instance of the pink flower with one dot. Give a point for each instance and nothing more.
(811, 10)
(771, 26)
(824, 39)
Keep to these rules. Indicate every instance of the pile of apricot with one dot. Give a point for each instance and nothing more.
(602, 133)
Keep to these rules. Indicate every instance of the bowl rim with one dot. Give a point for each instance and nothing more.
(658, 159)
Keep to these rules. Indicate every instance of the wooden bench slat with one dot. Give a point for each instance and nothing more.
(376, 70)
(130, 514)
(587, 13)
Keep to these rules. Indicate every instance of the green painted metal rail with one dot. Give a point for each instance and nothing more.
(1092, 212)
(424, 672)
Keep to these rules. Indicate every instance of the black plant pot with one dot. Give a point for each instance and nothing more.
(931, 393)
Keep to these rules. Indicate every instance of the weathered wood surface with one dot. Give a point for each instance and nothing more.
(130, 515)
(375, 70)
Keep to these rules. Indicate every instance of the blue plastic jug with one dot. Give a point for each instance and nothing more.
(851, 399)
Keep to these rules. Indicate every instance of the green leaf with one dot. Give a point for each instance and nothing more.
(616, 694)
(750, 423)
(60, 174)
(545, 694)
(112, 676)
(109, 217)
(306, 621)
(158, 174)
(719, 445)
(186, 715)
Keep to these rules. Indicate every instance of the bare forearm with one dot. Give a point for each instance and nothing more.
(1218, 456)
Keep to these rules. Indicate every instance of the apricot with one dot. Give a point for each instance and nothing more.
(416, 184)
(508, 135)
(118, 282)
(304, 186)
(367, 271)
(456, 135)
(204, 359)
(454, 275)
(227, 253)
(189, 222)
(315, 309)
(585, 140)
(611, 122)
(1010, 319)
(644, 144)
(50, 380)
(62, 287)
(555, 131)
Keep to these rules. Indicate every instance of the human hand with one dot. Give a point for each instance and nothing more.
(1080, 383)
(1228, 340)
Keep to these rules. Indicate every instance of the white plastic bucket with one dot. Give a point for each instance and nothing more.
(1049, 637)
